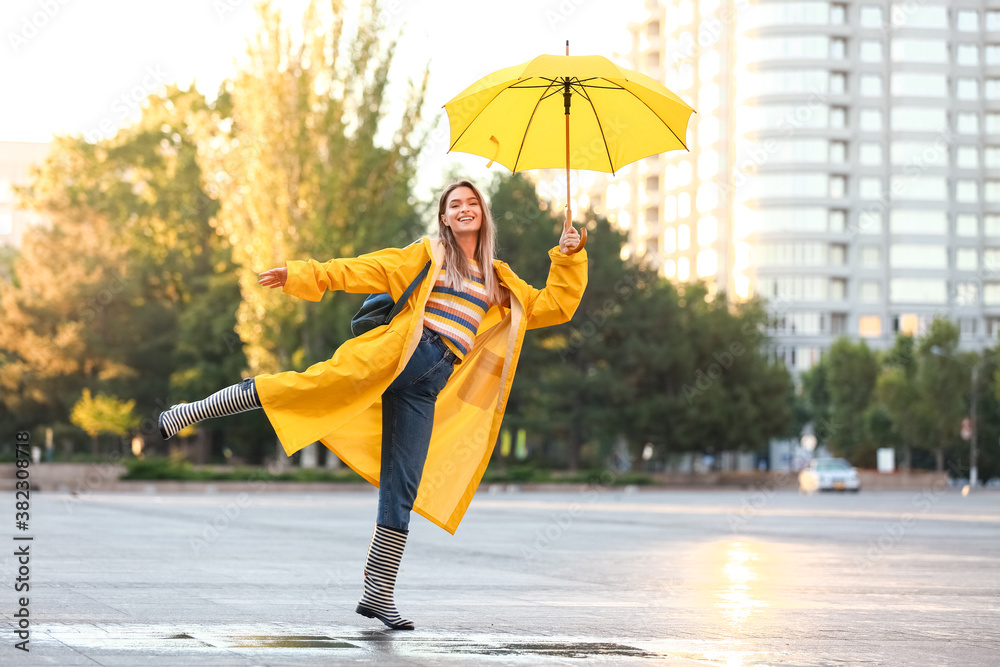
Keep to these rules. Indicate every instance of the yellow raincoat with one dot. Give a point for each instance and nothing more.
(339, 401)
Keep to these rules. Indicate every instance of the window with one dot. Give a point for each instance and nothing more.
(967, 123)
(992, 89)
(991, 157)
(966, 191)
(683, 237)
(918, 290)
(683, 269)
(652, 215)
(838, 83)
(919, 85)
(870, 51)
(838, 14)
(789, 254)
(991, 223)
(967, 157)
(708, 230)
(993, 20)
(837, 219)
(909, 15)
(870, 188)
(838, 152)
(967, 20)
(683, 205)
(966, 259)
(870, 257)
(708, 164)
(652, 183)
(871, 120)
(871, 85)
(669, 241)
(838, 323)
(918, 221)
(798, 219)
(968, 54)
(967, 89)
(706, 263)
(991, 294)
(869, 221)
(919, 153)
(870, 291)
(787, 13)
(653, 29)
(924, 188)
(708, 65)
(870, 326)
(870, 154)
(966, 224)
(838, 48)
(871, 17)
(708, 96)
(838, 289)
(913, 256)
(6, 223)
(838, 254)
(838, 187)
(708, 131)
(991, 191)
(652, 60)
(918, 119)
(966, 293)
(769, 82)
(967, 326)
(838, 117)
(992, 54)
(920, 51)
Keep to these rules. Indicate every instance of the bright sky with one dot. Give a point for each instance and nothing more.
(70, 66)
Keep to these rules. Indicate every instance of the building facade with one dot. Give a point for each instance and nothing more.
(844, 163)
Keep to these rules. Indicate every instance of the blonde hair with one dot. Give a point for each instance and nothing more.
(456, 264)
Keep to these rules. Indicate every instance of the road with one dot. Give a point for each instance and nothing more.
(759, 577)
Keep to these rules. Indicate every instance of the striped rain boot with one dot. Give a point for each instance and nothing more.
(384, 554)
(230, 401)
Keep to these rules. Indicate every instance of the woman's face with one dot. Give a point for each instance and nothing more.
(462, 212)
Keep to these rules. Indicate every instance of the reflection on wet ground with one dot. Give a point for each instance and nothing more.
(152, 642)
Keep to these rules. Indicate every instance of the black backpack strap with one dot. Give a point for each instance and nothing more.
(409, 290)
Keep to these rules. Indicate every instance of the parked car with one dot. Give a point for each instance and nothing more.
(829, 475)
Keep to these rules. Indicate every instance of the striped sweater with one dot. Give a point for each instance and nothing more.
(456, 314)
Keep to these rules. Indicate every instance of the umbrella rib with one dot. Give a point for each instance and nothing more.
(524, 136)
(604, 139)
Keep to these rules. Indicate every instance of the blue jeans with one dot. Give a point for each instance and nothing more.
(407, 420)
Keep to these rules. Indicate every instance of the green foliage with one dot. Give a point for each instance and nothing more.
(104, 414)
(640, 358)
(163, 468)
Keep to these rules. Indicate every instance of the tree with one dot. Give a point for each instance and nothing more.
(851, 375)
(103, 414)
(298, 172)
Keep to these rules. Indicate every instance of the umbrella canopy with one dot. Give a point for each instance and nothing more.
(515, 116)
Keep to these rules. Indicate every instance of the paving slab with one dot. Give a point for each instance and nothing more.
(760, 577)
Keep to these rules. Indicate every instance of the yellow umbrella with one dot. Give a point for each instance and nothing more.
(513, 117)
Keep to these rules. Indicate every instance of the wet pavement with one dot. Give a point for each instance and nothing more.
(689, 578)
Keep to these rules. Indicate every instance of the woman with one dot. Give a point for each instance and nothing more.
(413, 406)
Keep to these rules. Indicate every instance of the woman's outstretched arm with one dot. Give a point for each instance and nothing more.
(274, 277)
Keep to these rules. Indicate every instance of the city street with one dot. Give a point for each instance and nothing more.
(617, 577)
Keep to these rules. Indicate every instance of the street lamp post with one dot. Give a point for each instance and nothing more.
(974, 395)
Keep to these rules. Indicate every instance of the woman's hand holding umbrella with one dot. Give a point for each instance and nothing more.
(569, 241)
